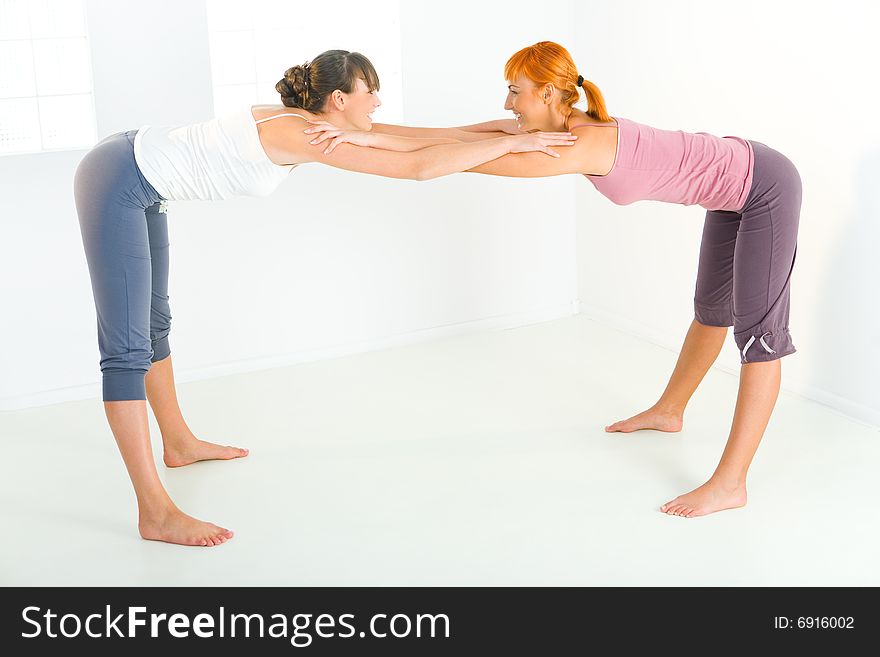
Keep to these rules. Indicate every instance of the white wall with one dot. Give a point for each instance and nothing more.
(797, 76)
(336, 262)
(333, 262)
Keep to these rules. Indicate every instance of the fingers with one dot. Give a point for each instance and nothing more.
(333, 144)
(324, 136)
(320, 127)
(324, 130)
(549, 151)
(557, 141)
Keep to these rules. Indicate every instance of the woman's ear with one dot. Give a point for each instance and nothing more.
(338, 100)
(548, 92)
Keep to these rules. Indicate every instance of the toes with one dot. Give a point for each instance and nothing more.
(677, 508)
(222, 534)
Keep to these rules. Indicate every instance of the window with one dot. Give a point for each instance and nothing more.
(46, 100)
(253, 43)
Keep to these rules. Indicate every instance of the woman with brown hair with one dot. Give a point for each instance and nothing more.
(122, 187)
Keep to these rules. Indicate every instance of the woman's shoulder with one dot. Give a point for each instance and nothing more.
(260, 112)
(283, 139)
(579, 118)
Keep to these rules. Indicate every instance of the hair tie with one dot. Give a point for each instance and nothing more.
(580, 80)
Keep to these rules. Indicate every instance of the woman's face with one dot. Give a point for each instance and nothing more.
(360, 105)
(528, 108)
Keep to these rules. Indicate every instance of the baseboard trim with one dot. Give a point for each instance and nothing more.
(851, 409)
(498, 322)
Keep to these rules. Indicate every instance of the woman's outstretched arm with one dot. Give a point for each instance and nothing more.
(580, 158)
(474, 132)
(424, 163)
(323, 131)
(502, 126)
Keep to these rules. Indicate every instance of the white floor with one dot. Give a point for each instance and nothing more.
(468, 461)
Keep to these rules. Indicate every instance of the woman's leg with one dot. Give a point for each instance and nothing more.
(700, 349)
(110, 198)
(181, 447)
(766, 247)
(713, 313)
(158, 517)
(726, 489)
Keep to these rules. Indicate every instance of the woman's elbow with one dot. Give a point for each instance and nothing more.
(423, 170)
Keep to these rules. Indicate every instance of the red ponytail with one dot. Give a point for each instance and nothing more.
(549, 63)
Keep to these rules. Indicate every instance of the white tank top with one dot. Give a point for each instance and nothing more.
(209, 161)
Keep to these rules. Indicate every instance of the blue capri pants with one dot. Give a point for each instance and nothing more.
(124, 229)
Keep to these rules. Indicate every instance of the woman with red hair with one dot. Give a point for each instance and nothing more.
(752, 197)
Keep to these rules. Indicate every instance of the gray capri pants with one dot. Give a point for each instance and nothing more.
(125, 234)
(746, 261)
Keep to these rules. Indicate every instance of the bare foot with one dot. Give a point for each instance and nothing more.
(653, 418)
(181, 453)
(174, 526)
(710, 497)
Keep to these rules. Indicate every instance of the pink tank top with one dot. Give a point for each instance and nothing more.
(677, 167)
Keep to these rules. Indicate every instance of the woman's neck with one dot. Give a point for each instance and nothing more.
(335, 118)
